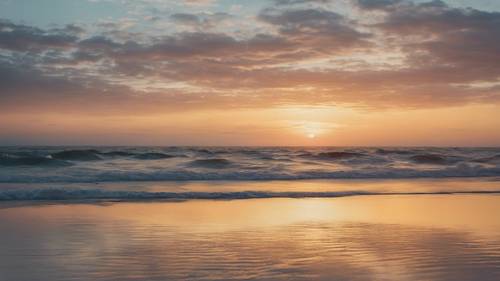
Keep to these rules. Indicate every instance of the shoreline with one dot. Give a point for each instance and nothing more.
(183, 197)
(240, 190)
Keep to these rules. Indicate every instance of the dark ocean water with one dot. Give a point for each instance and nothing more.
(88, 165)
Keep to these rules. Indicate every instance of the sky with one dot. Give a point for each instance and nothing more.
(263, 72)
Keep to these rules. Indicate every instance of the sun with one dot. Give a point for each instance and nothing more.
(311, 129)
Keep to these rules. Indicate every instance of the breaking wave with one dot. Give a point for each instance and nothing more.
(99, 194)
(77, 155)
(108, 164)
(213, 163)
(93, 155)
(153, 156)
(429, 159)
(7, 160)
(340, 155)
(217, 172)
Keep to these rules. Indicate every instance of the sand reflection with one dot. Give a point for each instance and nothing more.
(362, 238)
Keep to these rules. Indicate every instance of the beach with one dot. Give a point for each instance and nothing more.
(398, 237)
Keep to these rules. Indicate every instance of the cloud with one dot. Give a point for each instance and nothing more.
(446, 56)
(377, 4)
(467, 41)
(201, 20)
(324, 30)
(27, 38)
(199, 2)
(296, 2)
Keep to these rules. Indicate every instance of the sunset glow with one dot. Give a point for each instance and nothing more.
(347, 72)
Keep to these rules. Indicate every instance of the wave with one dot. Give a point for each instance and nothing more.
(118, 153)
(205, 151)
(6, 160)
(339, 155)
(87, 164)
(493, 159)
(94, 155)
(429, 159)
(217, 172)
(77, 155)
(153, 156)
(211, 163)
(99, 194)
(385, 151)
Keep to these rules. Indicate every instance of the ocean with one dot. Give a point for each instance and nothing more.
(248, 213)
(57, 173)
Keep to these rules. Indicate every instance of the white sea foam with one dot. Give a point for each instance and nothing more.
(100, 194)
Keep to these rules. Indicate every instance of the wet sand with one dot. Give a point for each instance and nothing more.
(425, 237)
